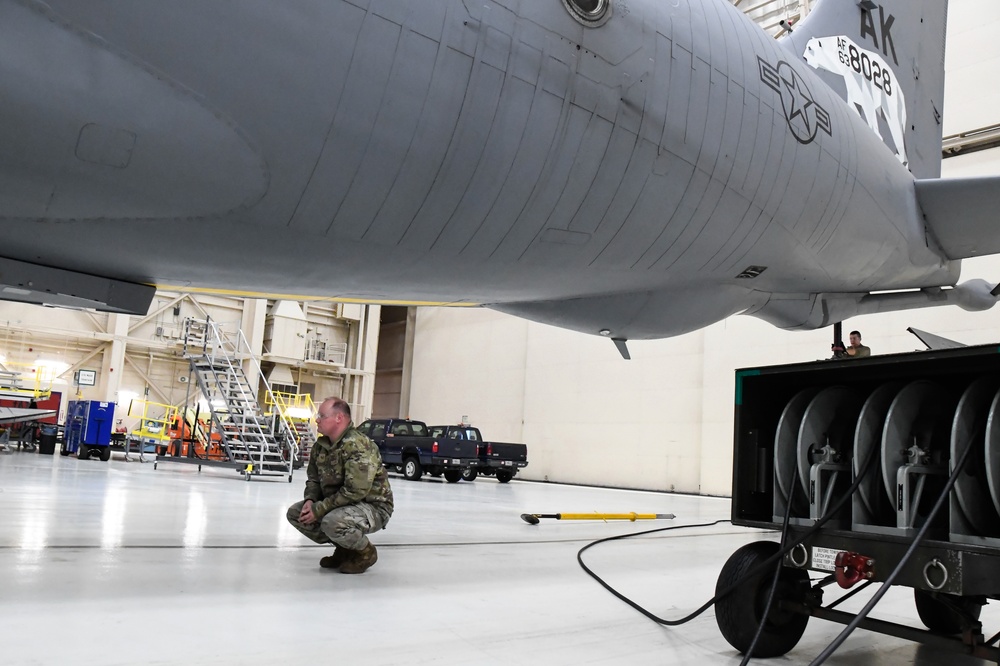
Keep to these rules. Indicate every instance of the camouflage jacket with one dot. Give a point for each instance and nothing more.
(345, 472)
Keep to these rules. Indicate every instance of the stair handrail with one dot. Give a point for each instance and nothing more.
(222, 343)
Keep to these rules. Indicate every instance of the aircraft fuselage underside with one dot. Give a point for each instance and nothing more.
(650, 176)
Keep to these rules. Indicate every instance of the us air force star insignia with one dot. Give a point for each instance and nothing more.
(803, 114)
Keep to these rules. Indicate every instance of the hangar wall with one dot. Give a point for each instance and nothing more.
(664, 419)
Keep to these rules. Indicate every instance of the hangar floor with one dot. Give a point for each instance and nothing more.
(115, 563)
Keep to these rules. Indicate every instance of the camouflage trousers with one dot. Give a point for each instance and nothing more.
(345, 526)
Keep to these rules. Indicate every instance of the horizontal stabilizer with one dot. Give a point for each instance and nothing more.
(963, 214)
(935, 341)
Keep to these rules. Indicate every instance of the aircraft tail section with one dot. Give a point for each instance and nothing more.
(962, 214)
(886, 59)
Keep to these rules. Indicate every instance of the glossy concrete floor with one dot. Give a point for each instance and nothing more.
(118, 563)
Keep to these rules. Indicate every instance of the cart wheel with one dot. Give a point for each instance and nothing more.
(947, 613)
(289, 478)
(154, 465)
(105, 453)
(83, 452)
(739, 613)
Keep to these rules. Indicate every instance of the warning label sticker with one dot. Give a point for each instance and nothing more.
(824, 558)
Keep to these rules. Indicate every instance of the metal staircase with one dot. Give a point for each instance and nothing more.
(255, 443)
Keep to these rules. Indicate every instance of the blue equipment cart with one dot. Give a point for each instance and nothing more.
(88, 428)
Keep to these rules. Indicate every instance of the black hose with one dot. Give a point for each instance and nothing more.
(777, 575)
(866, 468)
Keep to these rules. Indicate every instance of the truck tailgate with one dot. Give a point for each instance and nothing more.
(507, 451)
(454, 448)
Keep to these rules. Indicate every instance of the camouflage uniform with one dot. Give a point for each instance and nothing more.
(349, 489)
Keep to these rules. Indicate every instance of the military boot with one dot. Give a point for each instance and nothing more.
(340, 555)
(360, 560)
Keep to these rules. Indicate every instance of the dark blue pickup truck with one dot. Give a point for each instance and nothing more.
(407, 447)
(500, 459)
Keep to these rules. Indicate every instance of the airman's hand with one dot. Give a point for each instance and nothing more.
(306, 516)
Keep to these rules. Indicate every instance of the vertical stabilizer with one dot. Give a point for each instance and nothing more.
(886, 59)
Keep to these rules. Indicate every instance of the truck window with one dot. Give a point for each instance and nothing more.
(472, 435)
(400, 429)
(378, 432)
(419, 429)
(437, 432)
(365, 428)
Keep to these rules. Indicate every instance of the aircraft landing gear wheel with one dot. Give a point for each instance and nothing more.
(739, 613)
(947, 613)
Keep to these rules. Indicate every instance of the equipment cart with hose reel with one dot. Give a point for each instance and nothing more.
(881, 470)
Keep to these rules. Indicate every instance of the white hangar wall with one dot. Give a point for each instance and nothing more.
(664, 419)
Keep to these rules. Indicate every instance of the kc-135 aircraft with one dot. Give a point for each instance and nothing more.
(631, 168)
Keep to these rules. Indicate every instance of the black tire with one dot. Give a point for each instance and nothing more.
(469, 474)
(105, 453)
(83, 452)
(64, 452)
(436, 475)
(739, 613)
(503, 476)
(412, 470)
(947, 613)
(453, 475)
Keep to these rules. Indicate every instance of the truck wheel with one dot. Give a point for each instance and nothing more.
(503, 476)
(412, 470)
(469, 474)
(453, 475)
(947, 613)
(738, 614)
(105, 453)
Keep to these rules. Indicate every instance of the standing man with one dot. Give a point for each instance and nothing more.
(347, 491)
(857, 350)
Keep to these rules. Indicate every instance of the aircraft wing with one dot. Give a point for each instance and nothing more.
(10, 415)
(963, 214)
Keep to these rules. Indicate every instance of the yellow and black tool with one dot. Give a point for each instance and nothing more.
(533, 518)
